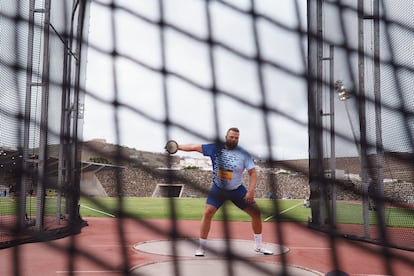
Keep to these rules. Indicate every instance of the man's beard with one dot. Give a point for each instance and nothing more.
(231, 145)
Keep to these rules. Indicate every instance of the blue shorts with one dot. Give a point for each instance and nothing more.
(217, 196)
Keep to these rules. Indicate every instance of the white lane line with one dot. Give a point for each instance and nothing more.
(98, 211)
(109, 245)
(284, 211)
(369, 275)
(86, 271)
(310, 248)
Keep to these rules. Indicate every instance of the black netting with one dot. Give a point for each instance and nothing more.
(324, 90)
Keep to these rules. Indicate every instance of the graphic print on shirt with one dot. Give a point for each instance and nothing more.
(225, 174)
(229, 165)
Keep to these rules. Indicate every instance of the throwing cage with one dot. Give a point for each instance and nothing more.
(42, 71)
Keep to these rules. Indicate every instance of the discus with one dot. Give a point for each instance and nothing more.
(171, 147)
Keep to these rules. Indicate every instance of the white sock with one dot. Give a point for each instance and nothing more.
(203, 243)
(258, 240)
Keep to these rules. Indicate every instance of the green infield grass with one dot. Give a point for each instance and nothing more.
(192, 209)
(187, 208)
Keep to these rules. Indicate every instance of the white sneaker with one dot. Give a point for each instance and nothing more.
(200, 252)
(263, 251)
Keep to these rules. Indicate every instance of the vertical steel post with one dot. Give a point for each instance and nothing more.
(27, 116)
(380, 200)
(362, 118)
(332, 160)
(315, 52)
(75, 166)
(332, 132)
(42, 177)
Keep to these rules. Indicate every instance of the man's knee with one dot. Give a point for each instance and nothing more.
(209, 211)
(253, 210)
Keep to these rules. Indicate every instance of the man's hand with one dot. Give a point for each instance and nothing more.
(252, 186)
(249, 197)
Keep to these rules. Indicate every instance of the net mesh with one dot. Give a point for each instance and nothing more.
(168, 69)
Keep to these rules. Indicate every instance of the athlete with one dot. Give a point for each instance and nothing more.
(229, 162)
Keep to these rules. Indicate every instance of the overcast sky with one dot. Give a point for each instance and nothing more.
(141, 90)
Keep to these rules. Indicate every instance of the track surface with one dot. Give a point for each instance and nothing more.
(100, 250)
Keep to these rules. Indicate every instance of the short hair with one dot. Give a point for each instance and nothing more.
(235, 129)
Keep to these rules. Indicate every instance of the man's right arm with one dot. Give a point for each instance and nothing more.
(191, 147)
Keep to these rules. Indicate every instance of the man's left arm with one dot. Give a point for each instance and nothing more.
(252, 185)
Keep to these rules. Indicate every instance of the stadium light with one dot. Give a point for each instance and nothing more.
(341, 90)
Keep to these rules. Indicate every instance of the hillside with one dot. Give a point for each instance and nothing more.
(123, 156)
